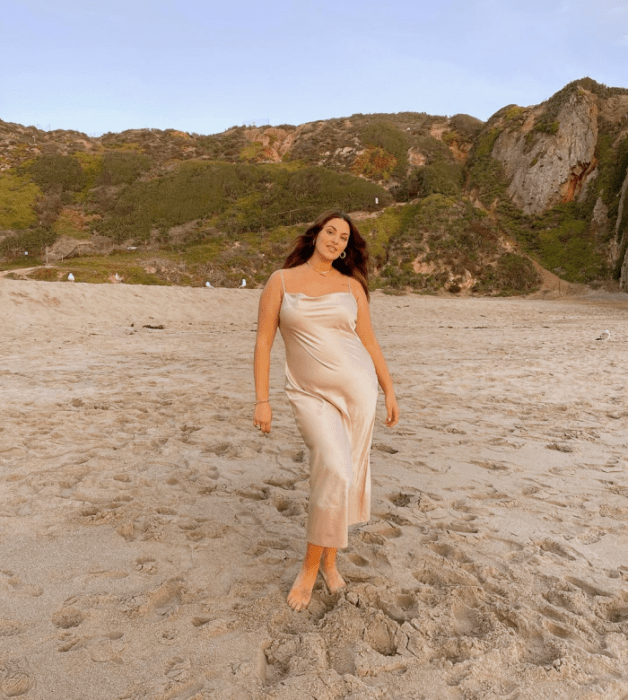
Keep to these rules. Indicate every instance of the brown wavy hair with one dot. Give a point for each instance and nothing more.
(355, 264)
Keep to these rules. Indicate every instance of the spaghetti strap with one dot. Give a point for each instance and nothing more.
(283, 284)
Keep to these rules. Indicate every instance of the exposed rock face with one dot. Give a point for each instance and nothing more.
(623, 281)
(415, 157)
(66, 247)
(544, 168)
(599, 225)
(276, 142)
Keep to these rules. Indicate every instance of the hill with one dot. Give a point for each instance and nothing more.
(445, 203)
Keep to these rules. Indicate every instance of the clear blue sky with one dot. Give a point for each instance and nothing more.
(205, 65)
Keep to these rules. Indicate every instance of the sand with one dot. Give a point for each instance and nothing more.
(149, 534)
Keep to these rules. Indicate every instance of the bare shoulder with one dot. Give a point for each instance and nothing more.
(273, 289)
(275, 280)
(356, 288)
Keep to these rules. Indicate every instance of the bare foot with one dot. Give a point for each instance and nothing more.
(301, 591)
(333, 579)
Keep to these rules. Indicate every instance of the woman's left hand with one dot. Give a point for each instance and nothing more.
(392, 411)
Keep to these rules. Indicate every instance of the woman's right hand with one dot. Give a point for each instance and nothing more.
(263, 417)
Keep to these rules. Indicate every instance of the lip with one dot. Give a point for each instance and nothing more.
(332, 249)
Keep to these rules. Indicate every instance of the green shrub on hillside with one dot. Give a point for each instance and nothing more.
(17, 200)
(33, 241)
(301, 195)
(387, 137)
(226, 146)
(92, 165)
(617, 173)
(236, 198)
(438, 177)
(122, 167)
(452, 238)
(255, 152)
(378, 231)
(374, 163)
(516, 274)
(57, 172)
(483, 172)
(467, 126)
(441, 174)
(570, 250)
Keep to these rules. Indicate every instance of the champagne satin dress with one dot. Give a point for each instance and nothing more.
(332, 386)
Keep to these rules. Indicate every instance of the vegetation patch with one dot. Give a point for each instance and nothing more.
(379, 231)
(17, 199)
(466, 126)
(387, 137)
(441, 174)
(92, 164)
(235, 198)
(58, 173)
(374, 163)
(568, 248)
(122, 167)
(73, 223)
(32, 241)
(445, 242)
(256, 152)
(45, 274)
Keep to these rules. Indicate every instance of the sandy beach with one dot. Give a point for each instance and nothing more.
(149, 534)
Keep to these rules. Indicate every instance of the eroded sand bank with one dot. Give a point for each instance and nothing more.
(149, 535)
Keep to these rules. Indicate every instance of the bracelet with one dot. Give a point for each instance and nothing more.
(262, 401)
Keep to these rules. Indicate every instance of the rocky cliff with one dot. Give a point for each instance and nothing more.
(563, 169)
(546, 167)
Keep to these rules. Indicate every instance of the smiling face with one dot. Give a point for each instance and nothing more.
(332, 239)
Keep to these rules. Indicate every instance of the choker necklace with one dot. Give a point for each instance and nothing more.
(319, 272)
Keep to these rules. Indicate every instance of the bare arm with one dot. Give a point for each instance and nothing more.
(364, 329)
(267, 324)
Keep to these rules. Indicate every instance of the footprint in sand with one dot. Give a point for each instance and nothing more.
(159, 604)
(385, 448)
(283, 481)
(286, 504)
(560, 447)
(10, 628)
(379, 533)
(404, 500)
(448, 551)
(15, 677)
(147, 565)
(558, 548)
(101, 647)
(66, 617)
(591, 536)
(492, 466)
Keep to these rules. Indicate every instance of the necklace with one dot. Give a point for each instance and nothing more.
(319, 272)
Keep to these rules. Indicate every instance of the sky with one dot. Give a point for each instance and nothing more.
(203, 66)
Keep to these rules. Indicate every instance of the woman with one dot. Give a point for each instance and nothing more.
(319, 300)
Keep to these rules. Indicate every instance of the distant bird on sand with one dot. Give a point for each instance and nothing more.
(605, 335)
(208, 284)
(71, 277)
(243, 285)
